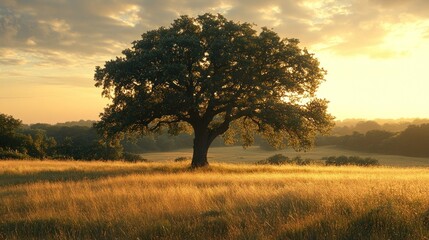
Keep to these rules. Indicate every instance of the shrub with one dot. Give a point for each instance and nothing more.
(277, 159)
(12, 154)
(182, 159)
(298, 160)
(132, 157)
(352, 160)
(280, 159)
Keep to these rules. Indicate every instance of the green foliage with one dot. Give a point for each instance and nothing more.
(53, 141)
(352, 160)
(20, 142)
(277, 159)
(157, 143)
(372, 141)
(265, 145)
(8, 124)
(79, 143)
(280, 159)
(81, 123)
(215, 77)
(39, 145)
(12, 154)
(413, 141)
(9, 138)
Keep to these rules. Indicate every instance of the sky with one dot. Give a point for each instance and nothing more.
(375, 51)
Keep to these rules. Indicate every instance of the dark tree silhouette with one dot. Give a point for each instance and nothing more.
(216, 77)
(8, 124)
(8, 131)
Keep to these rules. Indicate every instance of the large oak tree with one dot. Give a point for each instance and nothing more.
(217, 77)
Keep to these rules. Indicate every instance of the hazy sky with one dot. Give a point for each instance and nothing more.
(375, 51)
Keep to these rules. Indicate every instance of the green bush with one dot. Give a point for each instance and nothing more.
(280, 159)
(276, 159)
(352, 160)
(298, 160)
(12, 154)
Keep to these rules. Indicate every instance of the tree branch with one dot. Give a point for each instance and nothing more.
(160, 123)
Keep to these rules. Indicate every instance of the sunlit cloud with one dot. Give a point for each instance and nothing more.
(57, 25)
(12, 61)
(323, 12)
(222, 8)
(272, 15)
(10, 57)
(129, 16)
(31, 42)
(381, 29)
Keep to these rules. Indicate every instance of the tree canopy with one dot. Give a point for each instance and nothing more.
(8, 124)
(216, 77)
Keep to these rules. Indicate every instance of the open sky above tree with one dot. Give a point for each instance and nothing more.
(374, 50)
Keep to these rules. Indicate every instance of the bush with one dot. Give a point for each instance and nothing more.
(12, 154)
(277, 159)
(352, 160)
(182, 159)
(280, 159)
(298, 160)
(131, 157)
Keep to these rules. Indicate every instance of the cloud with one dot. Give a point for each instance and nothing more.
(46, 31)
(368, 28)
(75, 26)
(9, 57)
(12, 61)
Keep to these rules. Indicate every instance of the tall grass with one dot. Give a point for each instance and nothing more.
(99, 200)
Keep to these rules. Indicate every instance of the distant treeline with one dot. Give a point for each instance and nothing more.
(79, 140)
(348, 127)
(413, 141)
(52, 141)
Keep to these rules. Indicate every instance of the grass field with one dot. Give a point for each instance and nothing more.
(167, 200)
(254, 154)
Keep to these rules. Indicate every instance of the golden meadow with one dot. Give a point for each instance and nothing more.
(167, 200)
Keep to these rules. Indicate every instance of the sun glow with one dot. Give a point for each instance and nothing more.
(405, 37)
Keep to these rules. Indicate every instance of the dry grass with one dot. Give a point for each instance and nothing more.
(113, 200)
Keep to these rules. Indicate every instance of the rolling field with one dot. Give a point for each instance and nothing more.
(254, 154)
(167, 200)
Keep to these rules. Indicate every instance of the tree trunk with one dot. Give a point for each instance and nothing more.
(201, 146)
